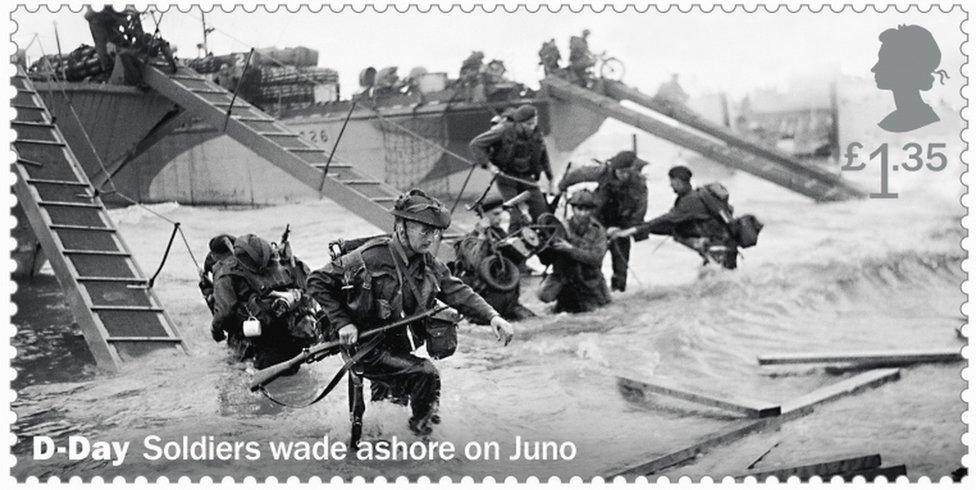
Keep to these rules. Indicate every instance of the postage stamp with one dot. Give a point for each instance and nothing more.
(557, 242)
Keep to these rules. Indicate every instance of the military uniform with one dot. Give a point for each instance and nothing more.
(470, 251)
(518, 155)
(580, 58)
(367, 288)
(693, 221)
(243, 291)
(218, 252)
(620, 203)
(577, 283)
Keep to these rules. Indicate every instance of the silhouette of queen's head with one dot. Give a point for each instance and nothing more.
(907, 63)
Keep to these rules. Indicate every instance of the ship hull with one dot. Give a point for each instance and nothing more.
(406, 146)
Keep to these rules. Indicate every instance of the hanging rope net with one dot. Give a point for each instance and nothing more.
(408, 158)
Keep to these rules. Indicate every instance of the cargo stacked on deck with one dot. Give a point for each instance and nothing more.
(82, 64)
(276, 79)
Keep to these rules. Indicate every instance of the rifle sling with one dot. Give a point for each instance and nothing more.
(365, 349)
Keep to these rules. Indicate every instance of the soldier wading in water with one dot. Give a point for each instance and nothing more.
(386, 279)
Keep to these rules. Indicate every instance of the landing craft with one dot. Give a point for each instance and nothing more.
(197, 135)
(405, 131)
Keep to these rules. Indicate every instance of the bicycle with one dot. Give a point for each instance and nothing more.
(609, 67)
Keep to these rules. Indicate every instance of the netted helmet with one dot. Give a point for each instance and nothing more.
(583, 198)
(222, 244)
(416, 205)
(253, 251)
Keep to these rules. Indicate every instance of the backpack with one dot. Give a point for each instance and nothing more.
(716, 199)
(744, 229)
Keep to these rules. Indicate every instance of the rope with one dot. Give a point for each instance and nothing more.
(108, 175)
(172, 236)
(237, 88)
(175, 224)
(633, 274)
(380, 116)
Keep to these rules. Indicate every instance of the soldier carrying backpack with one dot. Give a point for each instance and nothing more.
(702, 220)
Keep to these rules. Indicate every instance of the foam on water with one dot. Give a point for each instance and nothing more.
(846, 276)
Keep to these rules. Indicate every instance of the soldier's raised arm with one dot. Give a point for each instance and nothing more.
(586, 173)
(481, 144)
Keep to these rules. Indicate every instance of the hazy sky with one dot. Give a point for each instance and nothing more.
(715, 51)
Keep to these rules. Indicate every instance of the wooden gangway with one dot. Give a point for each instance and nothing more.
(363, 195)
(690, 131)
(119, 315)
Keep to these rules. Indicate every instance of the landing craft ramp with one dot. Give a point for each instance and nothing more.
(365, 196)
(107, 292)
(730, 149)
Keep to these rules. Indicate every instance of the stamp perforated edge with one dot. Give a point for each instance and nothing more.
(966, 199)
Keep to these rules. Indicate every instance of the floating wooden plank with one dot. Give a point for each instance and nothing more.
(790, 410)
(889, 472)
(875, 358)
(725, 436)
(848, 386)
(748, 408)
(823, 469)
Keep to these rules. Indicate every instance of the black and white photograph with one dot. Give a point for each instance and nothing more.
(484, 242)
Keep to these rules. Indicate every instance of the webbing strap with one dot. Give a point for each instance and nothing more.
(365, 349)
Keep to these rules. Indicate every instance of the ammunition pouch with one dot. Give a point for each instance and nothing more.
(357, 281)
(441, 333)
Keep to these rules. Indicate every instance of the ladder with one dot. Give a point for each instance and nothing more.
(806, 182)
(119, 316)
(365, 196)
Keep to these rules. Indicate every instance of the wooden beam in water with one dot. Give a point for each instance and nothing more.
(725, 436)
(849, 386)
(748, 408)
(823, 469)
(877, 358)
(790, 410)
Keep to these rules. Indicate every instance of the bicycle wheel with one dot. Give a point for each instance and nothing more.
(612, 69)
(500, 273)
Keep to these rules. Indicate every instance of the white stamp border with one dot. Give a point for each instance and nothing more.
(968, 134)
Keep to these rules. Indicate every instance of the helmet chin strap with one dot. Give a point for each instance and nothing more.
(400, 230)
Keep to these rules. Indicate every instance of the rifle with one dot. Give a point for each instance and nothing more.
(555, 201)
(322, 350)
(286, 247)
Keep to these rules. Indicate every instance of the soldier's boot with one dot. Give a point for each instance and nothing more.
(420, 426)
(424, 395)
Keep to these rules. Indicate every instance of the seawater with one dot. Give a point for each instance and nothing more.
(853, 276)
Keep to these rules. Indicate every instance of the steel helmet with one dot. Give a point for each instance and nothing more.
(583, 198)
(222, 244)
(252, 251)
(416, 205)
(624, 159)
(524, 113)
